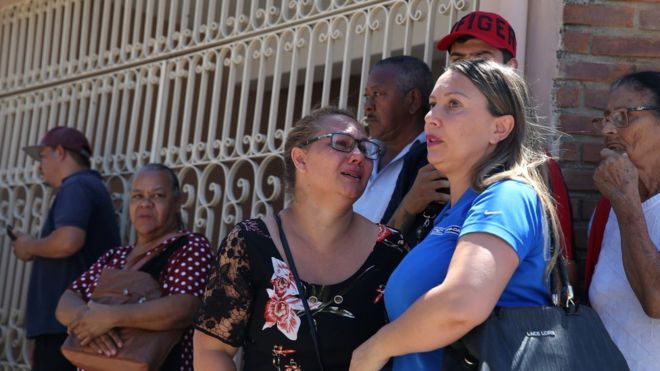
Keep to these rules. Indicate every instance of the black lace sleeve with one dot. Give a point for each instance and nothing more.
(224, 312)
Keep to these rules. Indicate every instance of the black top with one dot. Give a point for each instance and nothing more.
(252, 301)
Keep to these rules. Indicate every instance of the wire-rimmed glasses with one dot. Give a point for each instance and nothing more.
(619, 117)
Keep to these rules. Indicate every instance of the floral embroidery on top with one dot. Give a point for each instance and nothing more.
(246, 274)
(282, 279)
(284, 307)
(383, 233)
(282, 302)
(280, 352)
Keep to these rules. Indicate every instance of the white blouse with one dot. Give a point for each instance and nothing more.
(636, 334)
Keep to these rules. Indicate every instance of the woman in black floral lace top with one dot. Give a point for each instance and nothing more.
(343, 260)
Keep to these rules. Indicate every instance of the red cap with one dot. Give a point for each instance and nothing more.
(69, 138)
(489, 27)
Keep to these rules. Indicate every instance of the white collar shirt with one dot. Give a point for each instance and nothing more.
(373, 202)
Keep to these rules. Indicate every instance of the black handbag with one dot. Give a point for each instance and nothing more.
(564, 336)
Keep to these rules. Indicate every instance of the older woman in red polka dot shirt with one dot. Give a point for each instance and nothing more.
(154, 211)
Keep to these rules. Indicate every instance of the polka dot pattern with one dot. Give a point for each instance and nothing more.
(184, 273)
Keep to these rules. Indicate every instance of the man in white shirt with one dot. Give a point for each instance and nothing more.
(396, 101)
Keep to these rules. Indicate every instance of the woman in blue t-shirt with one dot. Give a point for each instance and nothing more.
(489, 246)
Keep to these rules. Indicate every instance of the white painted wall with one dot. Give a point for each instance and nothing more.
(537, 25)
(514, 11)
(543, 42)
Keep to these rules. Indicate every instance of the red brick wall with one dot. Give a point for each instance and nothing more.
(601, 41)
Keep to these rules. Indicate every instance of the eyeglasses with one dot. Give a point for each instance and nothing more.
(343, 142)
(619, 118)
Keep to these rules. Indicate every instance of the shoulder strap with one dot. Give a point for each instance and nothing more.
(595, 241)
(156, 264)
(429, 214)
(561, 289)
(566, 292)
(564, 213)
(301, 292)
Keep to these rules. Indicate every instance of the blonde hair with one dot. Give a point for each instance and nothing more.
(520, 156)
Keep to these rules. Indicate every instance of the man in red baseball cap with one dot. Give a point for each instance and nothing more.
(481, 35)
(80, 226)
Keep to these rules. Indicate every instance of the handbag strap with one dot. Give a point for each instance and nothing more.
(566, 288)
(156, 264)
(301, 292)
(429, 214)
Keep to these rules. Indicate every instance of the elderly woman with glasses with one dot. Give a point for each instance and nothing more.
(315, 258)
(623, 257)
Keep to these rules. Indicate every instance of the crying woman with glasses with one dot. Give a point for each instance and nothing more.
(301, 289)
(623, 257)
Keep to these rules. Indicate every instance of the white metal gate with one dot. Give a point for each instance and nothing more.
(206, 87)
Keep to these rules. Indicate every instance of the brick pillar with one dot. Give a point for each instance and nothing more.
(601, 41)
